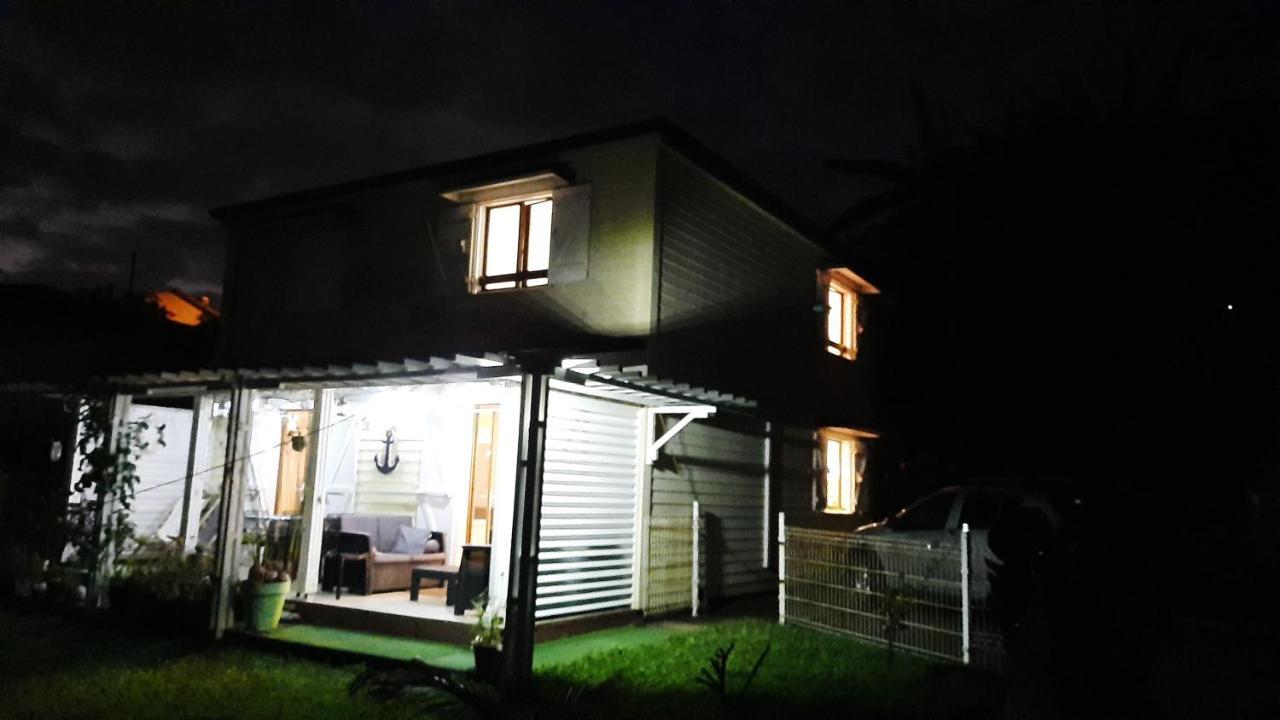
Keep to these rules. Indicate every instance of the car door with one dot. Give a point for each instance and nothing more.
(926, 525)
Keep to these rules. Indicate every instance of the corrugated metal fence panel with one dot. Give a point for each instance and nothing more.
(723, 469)
(162, 469)
(587, 541)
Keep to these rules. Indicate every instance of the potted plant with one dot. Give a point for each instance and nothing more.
(486, 641)
(264, 592)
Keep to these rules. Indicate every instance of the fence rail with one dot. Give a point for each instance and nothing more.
(921, 597)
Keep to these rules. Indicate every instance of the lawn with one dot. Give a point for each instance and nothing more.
(806, 674)
(54, 669)
(51, 668)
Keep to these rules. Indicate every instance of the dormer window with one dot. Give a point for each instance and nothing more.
(514, 248)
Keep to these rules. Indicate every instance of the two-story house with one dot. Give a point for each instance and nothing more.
(538, 362)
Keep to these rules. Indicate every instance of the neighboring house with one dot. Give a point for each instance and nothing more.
(554, 352)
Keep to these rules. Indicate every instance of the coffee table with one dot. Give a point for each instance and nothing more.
(446, 573)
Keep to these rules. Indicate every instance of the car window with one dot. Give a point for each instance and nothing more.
(928, 515)
(985, 509)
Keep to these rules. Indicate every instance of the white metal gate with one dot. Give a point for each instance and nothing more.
(588, 538)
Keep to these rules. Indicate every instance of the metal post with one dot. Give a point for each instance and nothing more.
(695, 571)
(782, 568)
(197, 465)
(767, 500)
(522, 587)
(322, 410)
(964, 592)
(231, 509)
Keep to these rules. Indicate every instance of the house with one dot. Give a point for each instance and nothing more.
(548, 358)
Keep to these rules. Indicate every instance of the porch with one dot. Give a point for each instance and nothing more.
(431, 452)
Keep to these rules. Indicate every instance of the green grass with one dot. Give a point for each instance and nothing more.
(54, 669)
(805, 672)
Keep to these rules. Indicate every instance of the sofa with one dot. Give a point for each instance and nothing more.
(366, 543)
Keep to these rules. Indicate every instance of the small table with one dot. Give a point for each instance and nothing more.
(446, 573)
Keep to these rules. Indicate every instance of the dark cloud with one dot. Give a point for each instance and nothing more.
(122, 123)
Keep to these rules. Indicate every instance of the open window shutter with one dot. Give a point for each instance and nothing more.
(453, 249)
(570, 229)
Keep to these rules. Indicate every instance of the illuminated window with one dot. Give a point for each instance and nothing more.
(515, 249)
(842, 318)
(841, 478)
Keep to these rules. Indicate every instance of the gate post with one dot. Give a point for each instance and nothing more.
(782, 568)
(695, 571)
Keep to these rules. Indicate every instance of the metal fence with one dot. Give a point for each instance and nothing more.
(921, 596)
(676, 563)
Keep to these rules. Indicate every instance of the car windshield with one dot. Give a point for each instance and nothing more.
(928, 514)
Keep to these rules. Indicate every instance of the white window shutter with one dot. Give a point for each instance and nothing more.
(453, 249)
(570, 231)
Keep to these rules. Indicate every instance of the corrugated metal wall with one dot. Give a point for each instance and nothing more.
(722, 466)
(587, 540)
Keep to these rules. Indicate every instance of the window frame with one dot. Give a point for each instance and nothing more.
(850, 484)
(480, 246)
(847, 346)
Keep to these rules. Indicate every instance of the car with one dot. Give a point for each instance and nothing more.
(920, 543)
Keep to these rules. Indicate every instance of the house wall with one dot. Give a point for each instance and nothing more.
(359, 278)
(739, 309)
(720, 463)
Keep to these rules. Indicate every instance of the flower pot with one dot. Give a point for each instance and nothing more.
(488, 662)
(263, 604)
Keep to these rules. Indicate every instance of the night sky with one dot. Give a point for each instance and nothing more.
(120, 125)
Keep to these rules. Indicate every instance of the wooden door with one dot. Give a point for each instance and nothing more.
(292, 479)
(484, 438)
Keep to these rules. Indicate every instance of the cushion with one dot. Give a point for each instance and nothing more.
(411, 540)
(381, 558)
(432, 546)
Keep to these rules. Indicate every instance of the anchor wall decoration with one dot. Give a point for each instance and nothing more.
(386, 465)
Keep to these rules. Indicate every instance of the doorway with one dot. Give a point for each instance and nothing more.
(291, 480)
(484, 437)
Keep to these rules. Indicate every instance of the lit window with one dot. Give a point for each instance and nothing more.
(840, 470)
(842, 318)
(515, 251)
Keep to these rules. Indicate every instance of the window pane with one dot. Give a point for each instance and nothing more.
(835, 316)
(539, 235)
(930, 514)
(833, 474)
(502, 241)
(535, 282)
(500, 285)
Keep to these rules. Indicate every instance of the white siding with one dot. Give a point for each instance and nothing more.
(723, 468)
(587, 540)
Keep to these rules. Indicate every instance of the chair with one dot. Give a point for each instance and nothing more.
(473, 577)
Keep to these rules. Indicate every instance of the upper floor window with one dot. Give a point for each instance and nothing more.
(841, 290)
(842, 320)
(514, 248)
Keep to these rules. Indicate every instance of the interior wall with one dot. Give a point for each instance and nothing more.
(433, 427)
